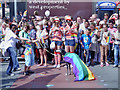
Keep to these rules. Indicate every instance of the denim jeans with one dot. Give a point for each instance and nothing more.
(116, 54)
(110, 53)
(13, 64)
(87, 54)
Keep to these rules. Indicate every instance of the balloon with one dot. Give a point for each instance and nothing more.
(47, 13)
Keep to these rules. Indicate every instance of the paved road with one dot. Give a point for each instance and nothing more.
(106, 77)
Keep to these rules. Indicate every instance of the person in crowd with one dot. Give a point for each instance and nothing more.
(70, 30)
(14, 21)
(93, 49)
(104, 44)
(86, 44)
(117, 47)
(28, 52)
(32, 34)
(106, 17)
(10, 48)
(42, 37)
(112, 31)
(56, 33)
(1, 33)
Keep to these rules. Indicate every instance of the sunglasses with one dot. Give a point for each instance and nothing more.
(68, 21)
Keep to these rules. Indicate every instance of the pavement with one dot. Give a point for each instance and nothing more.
(48, 77)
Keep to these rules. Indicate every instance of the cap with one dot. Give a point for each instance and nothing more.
(57, 19)
(68, 17)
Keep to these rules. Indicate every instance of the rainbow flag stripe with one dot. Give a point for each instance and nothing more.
(74, 35)
(25, 13)
(28, 51)
(43, 40)
(28, 44)
(108, 39)
(37, 43)
(81, 71)
(91, 34)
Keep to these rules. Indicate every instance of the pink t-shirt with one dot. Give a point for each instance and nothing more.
(112, 31)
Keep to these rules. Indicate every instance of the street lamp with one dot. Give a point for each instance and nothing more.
(15, 8)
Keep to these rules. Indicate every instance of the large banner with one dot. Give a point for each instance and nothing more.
(60, 8)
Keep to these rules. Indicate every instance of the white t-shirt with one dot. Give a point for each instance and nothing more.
(103, 42)
(117, 35)
(41, 34)
(10, 38)
(82, 27)
(10, 41)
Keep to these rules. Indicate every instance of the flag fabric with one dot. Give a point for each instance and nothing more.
(28, 44)
(74, 35)
(37, 43)
(25, 13)
(28, 51)
(91, 34)
(81, 71)
(42, 40)
(108, 39)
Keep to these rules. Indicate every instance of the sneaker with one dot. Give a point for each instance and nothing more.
(71, 66)
(119, 66)
(106, 63)
(18, 69)
(115, 66)
(54, 66)
(58, 66)
(101, 65)
(11, 74)
(26, 73)
(29, 71)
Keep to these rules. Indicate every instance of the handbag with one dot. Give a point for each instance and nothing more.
(52, 45)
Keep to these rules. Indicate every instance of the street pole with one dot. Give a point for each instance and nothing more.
(15, 9)
(3, 10)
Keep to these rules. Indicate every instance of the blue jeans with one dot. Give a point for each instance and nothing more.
(87, 54)
(116, 54)
(13, 64)
(110, 52)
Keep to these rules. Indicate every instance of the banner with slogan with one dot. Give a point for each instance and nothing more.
(60, 8)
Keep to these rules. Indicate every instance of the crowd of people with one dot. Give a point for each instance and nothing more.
(42, 39)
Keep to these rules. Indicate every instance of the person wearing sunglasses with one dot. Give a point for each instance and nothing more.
(56, 33)
(71, 30)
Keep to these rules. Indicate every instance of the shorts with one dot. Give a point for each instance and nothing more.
(70, 42)
(29, 59)
(43, 45)
(58, 43)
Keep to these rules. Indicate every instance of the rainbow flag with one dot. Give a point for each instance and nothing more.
(108, 39)
(91, 34)
(74, 35)
(81, 71)
(37, 43)
(28, 44)
(25, 13)
(42, 40)
(28, 51)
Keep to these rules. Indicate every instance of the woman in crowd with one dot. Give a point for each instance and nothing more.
(71, 30)
(56, 33)
(42, 43)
